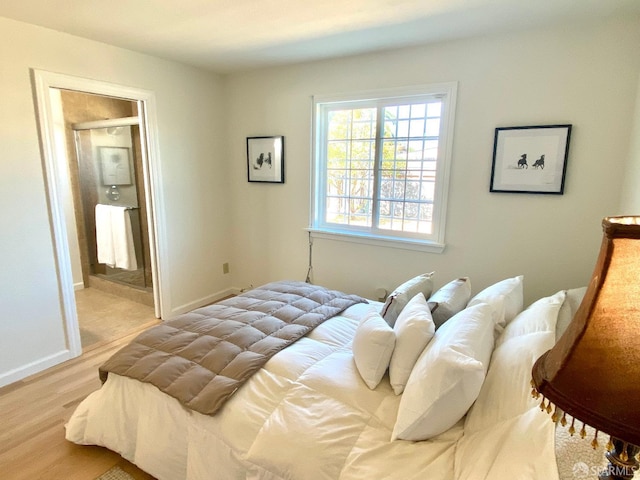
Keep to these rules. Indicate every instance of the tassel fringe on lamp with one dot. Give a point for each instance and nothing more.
(592, 374)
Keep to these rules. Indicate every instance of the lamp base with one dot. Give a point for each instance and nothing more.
(619, 469)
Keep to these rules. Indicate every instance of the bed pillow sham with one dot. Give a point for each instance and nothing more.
(448, 375)
(399, 298)
(414, 329)
(373, 344)
(449, 300)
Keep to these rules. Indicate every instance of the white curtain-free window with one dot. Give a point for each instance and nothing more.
(381, 165)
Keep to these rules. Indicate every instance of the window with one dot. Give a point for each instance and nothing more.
(381, 165)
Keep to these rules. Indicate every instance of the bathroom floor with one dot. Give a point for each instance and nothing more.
(133, 277)
(104, 317)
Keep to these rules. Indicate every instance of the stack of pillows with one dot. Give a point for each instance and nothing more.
(436, 347)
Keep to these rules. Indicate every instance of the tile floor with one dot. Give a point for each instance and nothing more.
(104, 317)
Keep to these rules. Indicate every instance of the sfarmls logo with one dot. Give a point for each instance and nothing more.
(582, 470)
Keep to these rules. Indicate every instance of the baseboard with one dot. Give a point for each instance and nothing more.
(34, 367)
(78, 286)
(201, 302)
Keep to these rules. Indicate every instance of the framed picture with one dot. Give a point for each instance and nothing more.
(530, 159)
(265, 159)
(115, 165)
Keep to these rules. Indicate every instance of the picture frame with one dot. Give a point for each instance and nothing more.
(530, 159)
(265, 159)
(115, 165)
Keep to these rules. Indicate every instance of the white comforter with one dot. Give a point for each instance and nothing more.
(309, 415)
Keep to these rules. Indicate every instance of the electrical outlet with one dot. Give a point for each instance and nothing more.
(225, 267)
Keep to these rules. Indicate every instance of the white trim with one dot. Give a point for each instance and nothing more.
(155, 203)
(378, 241)
(442, 193)
(390, 93)
(34, 367)
(201, 302)
(109, 122)
(55, 168)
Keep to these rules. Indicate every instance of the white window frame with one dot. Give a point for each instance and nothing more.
(431, 243)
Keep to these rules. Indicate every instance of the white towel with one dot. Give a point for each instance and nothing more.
(104, 237)
(114, 237)
(123, 248)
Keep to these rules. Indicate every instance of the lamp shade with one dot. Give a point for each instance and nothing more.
(593, 371)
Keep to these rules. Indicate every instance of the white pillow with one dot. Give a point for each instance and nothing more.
(506, 391)
(569, 309)
(506, 298)
(372, 348)
(414, 329)
(447, 377)
(397, 299)
(541, 316)
(449, 300)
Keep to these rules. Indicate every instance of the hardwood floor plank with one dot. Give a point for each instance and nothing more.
(33, 413)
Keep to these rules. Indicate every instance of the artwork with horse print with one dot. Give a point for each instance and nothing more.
(522, 163)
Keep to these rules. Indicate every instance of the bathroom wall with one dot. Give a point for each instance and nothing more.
(80, 107)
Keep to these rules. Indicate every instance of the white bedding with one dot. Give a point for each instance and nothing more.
(309, 415)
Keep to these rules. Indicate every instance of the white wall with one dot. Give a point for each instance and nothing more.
(585, 75)
(193, 172)
(630, 201)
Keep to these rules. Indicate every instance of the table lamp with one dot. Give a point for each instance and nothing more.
(592, 374)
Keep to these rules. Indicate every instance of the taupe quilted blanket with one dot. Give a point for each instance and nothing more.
(201, 358)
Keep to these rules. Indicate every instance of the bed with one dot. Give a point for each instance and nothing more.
(350, 401)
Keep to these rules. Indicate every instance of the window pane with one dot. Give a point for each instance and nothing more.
(416, 128)
(398, 188)
(338, 124)
(427, 191)
(416, 150)
(362, 150)
(403, 129)
(391, 112)
(397, 209)
(408, 167)
(434, 109)
(431, 150)
(350, 162)
(418, 111)
(364, 114)
(412, 191)
(337, 154)
(433, 127)
(363, 130)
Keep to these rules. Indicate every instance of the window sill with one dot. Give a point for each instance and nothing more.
(378, 241)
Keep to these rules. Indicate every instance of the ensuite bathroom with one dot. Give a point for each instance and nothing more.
(110, 251)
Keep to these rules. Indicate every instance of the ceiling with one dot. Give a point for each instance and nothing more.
(233, 35)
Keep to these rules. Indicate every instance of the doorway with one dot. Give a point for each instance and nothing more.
(117, 156)
(105, 164)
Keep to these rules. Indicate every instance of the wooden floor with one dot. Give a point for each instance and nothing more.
(32, 417)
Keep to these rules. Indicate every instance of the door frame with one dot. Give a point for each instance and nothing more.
(56, 176)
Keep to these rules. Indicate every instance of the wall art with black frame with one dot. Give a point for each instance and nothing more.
(530, 159)
(265, 159)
